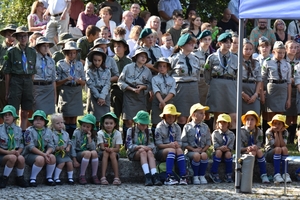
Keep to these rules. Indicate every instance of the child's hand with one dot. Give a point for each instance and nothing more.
(245, 97)
(107, 149)
(162, 105)
(47, 158)
(69, 78)
(68, 149)
(172, 145)
(100, 102)
(252, 99)
(76, 164)
(89, 134)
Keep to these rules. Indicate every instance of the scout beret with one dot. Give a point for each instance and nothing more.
(246, 41)
(262, 39)
(224, 36)
(203, 34)
(185, 38)
(145, 32)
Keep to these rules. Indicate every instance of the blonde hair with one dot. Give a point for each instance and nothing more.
(53, 119)
(276, 22)
(35, 5)
(289, 42)
(150, 20)
(134, 30)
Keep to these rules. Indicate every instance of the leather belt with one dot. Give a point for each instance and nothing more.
(42, 82)
(56, 15)
(277, 81)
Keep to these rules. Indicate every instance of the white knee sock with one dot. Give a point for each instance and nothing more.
(95, 163)
(49, 170)
(57, 173)
(70, 174)
(83, 165)
(7, 171)
(145, 168)
(34, 171)
(20, 172)
(153, 171)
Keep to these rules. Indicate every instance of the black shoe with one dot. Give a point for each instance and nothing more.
(148, 181)
(3, 181)
(156, 179)
(58, 182)
(21, 182)
(50, 182)
(70, 181)
(32, 183)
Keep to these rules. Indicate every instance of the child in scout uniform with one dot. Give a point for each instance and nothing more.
(291, 113)
(223, 141)
(11, 147)
(62, 39)
(185, 71)
(39, 148)
(121, 49)
(44, 86)
(63, 145)
(252, 81)
(168, 142)
(8, 42)
(18, 70)
(276, 74)
(163, 86)
(276, 149)
(196, 139)
(84, 148)
(71, 77)
(98, 82)
(109, 141)
(135, 82)
(221, 69)
(139, 142)
(251, 141)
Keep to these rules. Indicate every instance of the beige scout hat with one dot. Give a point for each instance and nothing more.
(43, 40)
(8, 27)
(71, 45)
(21, 29)
(64, 37)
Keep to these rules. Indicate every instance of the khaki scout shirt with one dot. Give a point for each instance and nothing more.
(18, 136)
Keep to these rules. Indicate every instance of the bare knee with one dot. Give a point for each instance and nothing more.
(277, 150)
(196, 157)
(204, 156)
(40, 161)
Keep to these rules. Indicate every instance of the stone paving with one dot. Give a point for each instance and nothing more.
(223, 191)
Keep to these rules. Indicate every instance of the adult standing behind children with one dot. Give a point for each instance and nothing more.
(116, 8)
(19, 70)
(87, 17)
(175, 31)
(127, 19)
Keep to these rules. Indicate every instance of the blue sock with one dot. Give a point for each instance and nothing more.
(215, 165)
(203, 166)
(228, 163)
(283, 157)
(170, 163)
(276, 163)
(262, 165)
(195, 166)
(181, 165)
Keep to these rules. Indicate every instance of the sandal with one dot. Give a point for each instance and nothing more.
(117, 181)
(104, 181)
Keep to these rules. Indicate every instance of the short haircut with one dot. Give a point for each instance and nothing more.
(106, 9)
(134, 31)
(211, 19)
(166, 35)
(205, 25)
(119, 31)
(104, 28)
(144, 13)
(92, 30)
(177, 15)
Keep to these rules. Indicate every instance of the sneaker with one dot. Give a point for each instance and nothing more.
(277, 178)
(82, 180)
(228, 178)
(156, 179)
(264, 178)
(21, 182)
(3, 181)
(215, 178)
(287, 178)
(95, 180)
(202, 180)
(196, 180)
(170, 180)
(183, 181)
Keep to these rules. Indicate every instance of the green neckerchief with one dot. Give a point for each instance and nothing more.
(141, 138)
(11, 139)
(84, 143)
(40, 140)
(109, 138)
(60, 143)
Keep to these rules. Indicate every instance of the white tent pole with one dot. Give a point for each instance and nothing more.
(239, 108)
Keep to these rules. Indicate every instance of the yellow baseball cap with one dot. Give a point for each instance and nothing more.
(170, 109)
(250, 112)
(224, 117)
(279, 117)
(197, 106)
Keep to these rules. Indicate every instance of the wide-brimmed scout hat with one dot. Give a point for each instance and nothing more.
(21, 29)
(71, 45)
(100, 41)
(224, 36)
(145, 32)
(111, 114)
(280, 118)
(39, 113)
(224, 117)
(204, 34)
(184, 39)
(65, 37)
(11, 109)
(278, 45)
(95, 52)
(253, 113)
(112, 43)
(197, 106)
(142, 117)
(169, 109)
(89, 119)
(43, 40)
(139, 51)
(8, 27)
(162, 60)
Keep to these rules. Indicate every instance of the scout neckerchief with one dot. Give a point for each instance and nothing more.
(171, 134)
(43, 67)
(225, 139)
(292, 63)
(198, 134)
(251, 139)
(24, 63)
(153, 58)
(72, 71)
(40, 139)
(141, 138)
(136, 77)
(109, 138)
(189, 66)
(249, 69)
(225, 62)
(60, 143)
(11, 138)
(279, 69)
(83, 146)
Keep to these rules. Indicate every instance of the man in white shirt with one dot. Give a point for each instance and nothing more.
(127, 18)
(294, 28)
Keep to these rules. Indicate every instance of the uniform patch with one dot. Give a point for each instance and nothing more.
(157, 135)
